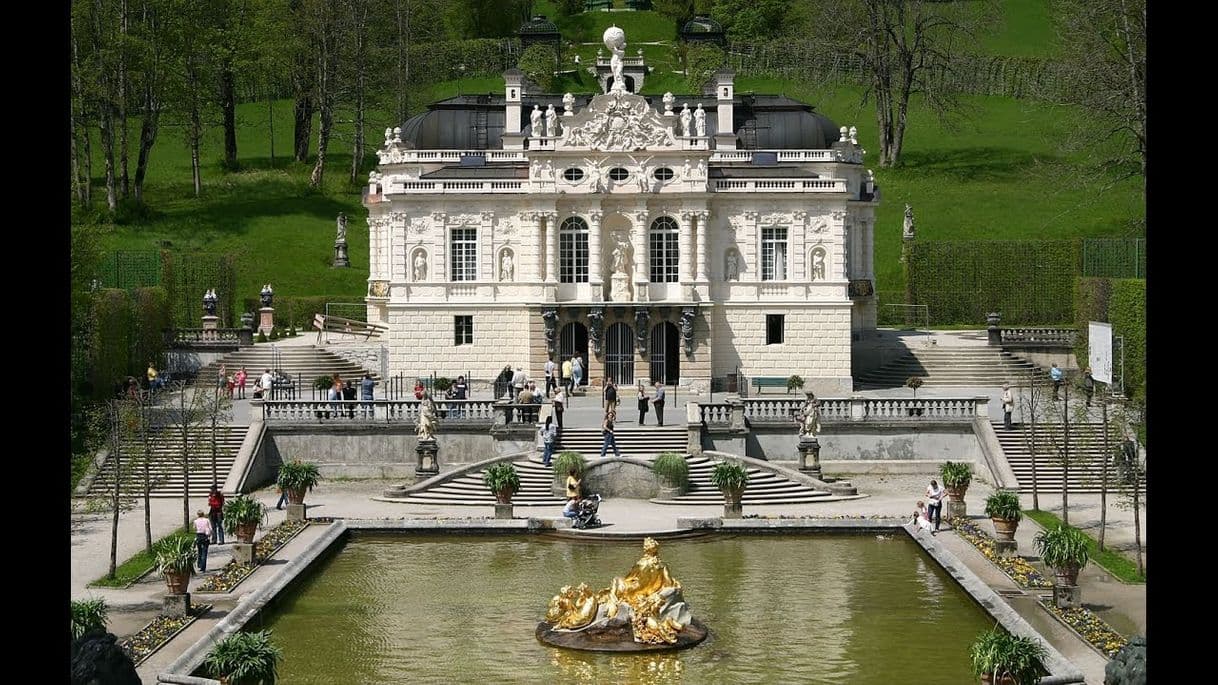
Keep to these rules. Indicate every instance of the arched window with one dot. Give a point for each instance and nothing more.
(573, 251)
(665, 251)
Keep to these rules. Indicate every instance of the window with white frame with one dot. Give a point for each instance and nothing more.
(665, 251)
(774, 254)
(573, 251)
(463, 248)
(463, 330)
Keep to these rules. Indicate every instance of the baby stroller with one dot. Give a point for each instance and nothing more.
(585, 512)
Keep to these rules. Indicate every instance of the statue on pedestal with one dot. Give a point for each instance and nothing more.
(551, 122)
(615, 40)
(732, 273)
(809, 419)
(908, 232)
(209, 302)
(507, 270)
(266, 295)
(426, 430)
(535, 122)
(420, 266)
(686, 117)
(568, 103)
(700, 121)
(668, 100)
(342, 228)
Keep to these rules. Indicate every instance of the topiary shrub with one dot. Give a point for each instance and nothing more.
(538, 63)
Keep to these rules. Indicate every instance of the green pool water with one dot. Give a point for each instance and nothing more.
(805, 609)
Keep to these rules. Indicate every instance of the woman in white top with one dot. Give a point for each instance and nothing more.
(934, 502)
(560, 405)
(920, 518)
(202, 539)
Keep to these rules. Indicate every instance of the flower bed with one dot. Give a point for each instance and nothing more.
(160, 630)
(1018, 568)
(1091, 628)
(857, 517)
(233, 573)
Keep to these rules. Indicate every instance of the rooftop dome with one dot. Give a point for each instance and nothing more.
(702, 25)
(538, 24)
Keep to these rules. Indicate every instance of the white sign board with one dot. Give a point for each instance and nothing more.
(1099, 350)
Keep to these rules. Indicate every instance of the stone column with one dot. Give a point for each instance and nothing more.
(594, 253)
(639, 242)
(703, 253)
(551, 259)
(533, 221)
(438, 269)
(686, 264)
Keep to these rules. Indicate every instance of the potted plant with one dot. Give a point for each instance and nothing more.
(794, 382)
(175, 559)
(242, 515)
(1000, 658)
(295, 477)
(323, 383)
(956, 477)
(88, 615)
(563, 463)
(673, 471)
(1003, 509)
(1064, 549)
(503, 480)
(913, 383)
(245, 659)
(731, 478)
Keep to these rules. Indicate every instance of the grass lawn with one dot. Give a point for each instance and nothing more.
(136, 566)
(1114, 562)
(1026, 31)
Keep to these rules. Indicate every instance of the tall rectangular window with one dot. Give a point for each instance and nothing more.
(773, 254)
(774, 324)
(463, 330)
(573, 251)
(464, 250)
(665, 253)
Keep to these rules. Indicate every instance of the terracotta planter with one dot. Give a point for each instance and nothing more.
(246, 531)
(1004, 680)
(1005, 528)
(176, 582)
(295, 496)
(733, 496)
(504, 496)
(1067, 576)
(956, 494)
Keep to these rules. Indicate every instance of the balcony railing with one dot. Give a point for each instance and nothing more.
(779, 185)
(204, 337)
(778, 411)
(450, 412)
(432, 187)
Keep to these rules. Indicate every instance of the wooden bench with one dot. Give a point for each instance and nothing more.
(336, 324)
(760, 382)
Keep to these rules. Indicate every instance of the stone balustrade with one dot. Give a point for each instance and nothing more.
(762, 411)
(450, 412)
(779, 185)
(783, 155)
(1049, 337)
(207, 337)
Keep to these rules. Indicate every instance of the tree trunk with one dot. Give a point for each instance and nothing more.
(148, 130)
(196, 131)
(323, 141)
(270, 120)
(122, 99)
(105, 127)
(403, 70)
(228, 103)
(1137, 514)
(303, 118)
(78, 184)
(215, 409)
(1104, 476)
(87, 153)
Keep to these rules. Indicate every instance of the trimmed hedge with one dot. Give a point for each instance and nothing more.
(1122, 303)
(187, 275)
(538, 62)
(126, 332)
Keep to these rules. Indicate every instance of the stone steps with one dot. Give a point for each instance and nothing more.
(299, 362)
(972, 366)
(764, 487)
(1087, 457)
(631, 442)
(165, 468)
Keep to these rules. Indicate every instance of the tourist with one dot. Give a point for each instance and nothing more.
(577, 372)
(222, 380)
(608, 438)
(1008, 405)
(240, 378)
(566, 374)
(551, 382)
(658, 401)
(519, 380)
(460, 389)
(418, 389)
(154, 379)
(1055, 375)
(133, 389)
(229, 385)
(202, 539)
(643, 401)
(349, 395)
(335, 395)
(548, 434)
(1088, 385)
(560, 405)
(609, 396)
(268, 384)
(283, 497)
(571, 510)
(365, 389)
(934, 496)
(215, 514)
(573, 484)
(920, 518)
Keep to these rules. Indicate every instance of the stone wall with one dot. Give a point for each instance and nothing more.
(936, 442)
(367, 356)
(422, 340)
(816, 344)
(622, 478)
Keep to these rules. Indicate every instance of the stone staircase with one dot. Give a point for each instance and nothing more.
(536, 481)
(298, 361)
(764, 487)
(631, 442)
(1086, 456)
(979, 365)
(166, 464)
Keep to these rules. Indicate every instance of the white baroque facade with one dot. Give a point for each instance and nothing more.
(614, 235)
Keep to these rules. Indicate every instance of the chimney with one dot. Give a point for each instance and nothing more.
(725, 94)
(512, 139)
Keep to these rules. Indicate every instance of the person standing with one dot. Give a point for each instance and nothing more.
(560, 405)
(577, 373)
(573, 484)
(240, 378)
(215, 514)
(934, 504)
(418, 389)
(223, 377)
(1088, 385)
(1055, 375)
(610, 396)
(642, 403)
(658, 401)
(551, 382)
(1008, 405)
(154, 379)
(607, 437)
(349, 395)
(202, 539)
(566, 374)
(520, 380)
(548, 435)
(268, 383)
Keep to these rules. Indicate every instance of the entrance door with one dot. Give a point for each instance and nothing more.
(619, 359)
(573, 342)
(665, 353)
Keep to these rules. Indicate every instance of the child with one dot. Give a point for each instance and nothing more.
(921, 519)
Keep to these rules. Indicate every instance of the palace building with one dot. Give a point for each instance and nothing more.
(680, 239)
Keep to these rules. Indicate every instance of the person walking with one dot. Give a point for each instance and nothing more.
(1008, 405)
(548, 435)
(551, 381)
(609, 396)
(202, 539)
(934, 504)
(154, 379)
(240, 378)
(1088, 385)
(642, 402)
(1055, 375)
(607, 437)
(577, 373)
(658, 401)
(215, 514)
(566, 374)
(560, 405)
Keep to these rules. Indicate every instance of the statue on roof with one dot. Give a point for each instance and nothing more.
(700, 121)
(615, 40)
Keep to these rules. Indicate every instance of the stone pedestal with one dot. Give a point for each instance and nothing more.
(619, 287)
(243, 553)
(176, 605)
(340, 254)
(733, 510)
(809, 457)
(210, 322)
(993, 332)
(956, 508)
(1067, 596)
(1006, 548)
(296, 512)
(668, 492)
(503, 511)
(266, 320)
(428, 463)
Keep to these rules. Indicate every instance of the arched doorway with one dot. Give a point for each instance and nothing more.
(628, 79)
(573, 342)
(666, 353)
(619, 354)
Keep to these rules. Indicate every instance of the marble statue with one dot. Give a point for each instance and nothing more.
(420, 266)
(551, 122)
(732, 273)
(686, 117)
(619, 255)
(209, 302)
(507, 270)
(397, 135)
(547, 170)
(426, 430)
(342, 228)
(615, 40)
(647, 598)
(388, 137)
(818, 265)
(568, 103)
(854, 135)
(908, 232)
(535, 121)
(700, 121)
(843, 133)
(701, 168)
(809, 418)
(668, 100)
(686, 170)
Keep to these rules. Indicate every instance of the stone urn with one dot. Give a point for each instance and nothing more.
(1005, 528)
(177, 582)
(732, 508)
(504, 496)
(669, 490)
(1067, 576)
(295, 496)
(246, 531)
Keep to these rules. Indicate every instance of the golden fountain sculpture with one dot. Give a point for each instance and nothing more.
(647, 600)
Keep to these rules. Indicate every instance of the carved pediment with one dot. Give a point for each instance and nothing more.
(617, 122)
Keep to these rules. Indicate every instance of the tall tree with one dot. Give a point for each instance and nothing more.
(155, 32)
(358, 13)
(304, 76)
(323, 26)
(101, 54)
(233, 41)
(78, 119)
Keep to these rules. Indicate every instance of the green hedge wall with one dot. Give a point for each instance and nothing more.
(1122, 303)
(113, 329)
(187, 275)
(1028, 282)
(150, 307)
(1091, 297)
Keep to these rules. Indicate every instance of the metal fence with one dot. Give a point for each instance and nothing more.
(129, 269)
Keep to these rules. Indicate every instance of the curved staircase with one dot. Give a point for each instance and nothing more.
(631, 442)
(298, 361)
(468, 490)
(765, 487)
(961, 366)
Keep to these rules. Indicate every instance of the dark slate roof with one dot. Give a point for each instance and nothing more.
(538, 24)
(475, 122)
(702, 24)
(493, 171)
